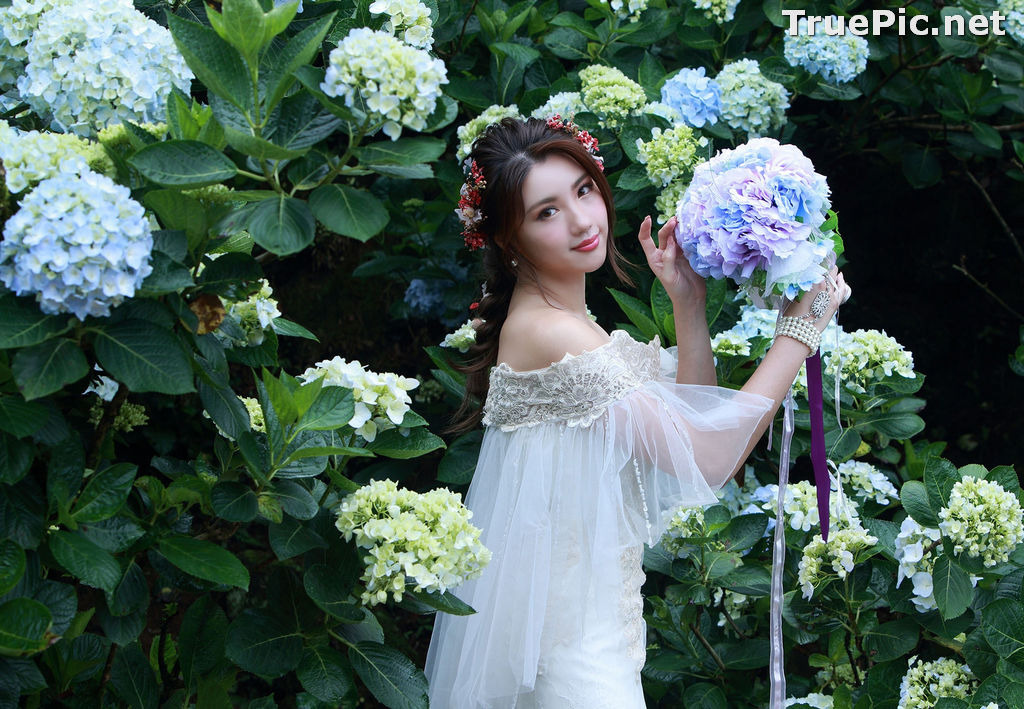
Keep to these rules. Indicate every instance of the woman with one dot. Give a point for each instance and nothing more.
(590, 440)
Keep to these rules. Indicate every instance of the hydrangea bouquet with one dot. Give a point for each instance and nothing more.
(761, 216)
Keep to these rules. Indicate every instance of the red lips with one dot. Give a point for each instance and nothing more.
(588, 244)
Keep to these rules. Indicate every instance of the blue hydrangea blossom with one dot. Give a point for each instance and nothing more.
(695, 96)
(79, 243)
(838, 58)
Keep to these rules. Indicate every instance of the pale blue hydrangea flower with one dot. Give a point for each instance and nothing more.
(398, 85)
(79, 242)
(565, 103)
(751, 102)
(833, 57)
(697, 98)
(92, 65)
(425, 296)
(278, 3)
(1014, 12)
(17, 23)
(411, 18)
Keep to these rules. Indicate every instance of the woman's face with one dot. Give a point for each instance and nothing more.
(562, 210)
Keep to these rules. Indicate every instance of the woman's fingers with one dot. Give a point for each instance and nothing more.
(667, 234)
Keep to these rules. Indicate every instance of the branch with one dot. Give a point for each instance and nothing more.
(985, 288)
(995, 211)
(959, 128)
(695, 627)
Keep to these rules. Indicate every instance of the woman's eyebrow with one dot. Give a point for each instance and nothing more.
(575, 184)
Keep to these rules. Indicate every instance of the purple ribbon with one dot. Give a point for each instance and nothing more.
(817, 410)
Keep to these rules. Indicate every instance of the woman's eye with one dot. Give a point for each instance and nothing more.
(587, 188)
(545, 213)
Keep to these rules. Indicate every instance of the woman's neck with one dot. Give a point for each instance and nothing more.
(568, 295)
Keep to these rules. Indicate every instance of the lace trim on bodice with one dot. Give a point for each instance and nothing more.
(576, 389)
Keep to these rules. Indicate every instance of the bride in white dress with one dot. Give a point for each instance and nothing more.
(590, 439)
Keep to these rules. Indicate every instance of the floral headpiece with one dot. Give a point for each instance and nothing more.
(471, 194)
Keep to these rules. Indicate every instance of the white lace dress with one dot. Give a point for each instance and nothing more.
(581, 464)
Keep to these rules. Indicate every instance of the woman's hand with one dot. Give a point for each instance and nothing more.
(668, 263)
(838, 293)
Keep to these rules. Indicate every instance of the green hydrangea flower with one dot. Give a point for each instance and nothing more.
(672, 154)
(610, 94)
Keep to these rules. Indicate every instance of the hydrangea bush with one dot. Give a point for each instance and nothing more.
(751, 102)
(834, 57)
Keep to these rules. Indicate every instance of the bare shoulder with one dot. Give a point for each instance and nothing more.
(534, 339)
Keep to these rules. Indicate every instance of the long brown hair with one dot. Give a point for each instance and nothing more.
(505, 153)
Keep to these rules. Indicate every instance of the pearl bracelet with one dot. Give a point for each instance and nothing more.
(799, 330)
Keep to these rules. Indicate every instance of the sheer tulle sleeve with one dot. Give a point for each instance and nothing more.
(579, 466)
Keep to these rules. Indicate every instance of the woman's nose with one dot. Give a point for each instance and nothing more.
(579, 218)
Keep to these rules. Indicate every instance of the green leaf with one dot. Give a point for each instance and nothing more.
(459, 461)
(392, 444)
(144, 356)
(921, 167)
(298, 52)
(15, 458)
(952, 43)
(241, 24)
(133, 679)
(282, 225)
(721, 563)
(744, 531)
(12, 564)
(952, 588)
(291, 329)
(83, 559)
(234, 501)
(295, 499)
(311, 77)
(748, 580)
(22, 324)
(717, 290)
(303, 123)
(45, 368)
(705, 695)
(105, 493)
(245, 141)
(391, 676)
(324, 673)
(167, 276)
(21, 418)
(201, 639)
(891, 640)
(1002, 622)
(262, 644)
(205, 560)
(215, 63)
(291, 537)
(183, 163)
(939, 478)
(330, 588)
(332, 408)
(348, 211)
(637, 312)
(566, 43)
(24, 624)
(895, 424)
(404, 151)
(914, 496)
(225, 408)
(131, 594)
(446, 602)
(224, 272)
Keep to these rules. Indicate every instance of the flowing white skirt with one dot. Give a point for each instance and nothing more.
(565, 511)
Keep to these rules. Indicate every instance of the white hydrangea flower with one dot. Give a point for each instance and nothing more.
(475, 127)
(410, 17)
(982, 519)
(667, 201)
(79, 242)
(30, 156)
(721, 11)
(17, 23)
(915, 554)
(669, 113)
(105, 387)
(730, 344)
(865, 357)
(254, 315)
(814, 699)
(821, 560)
(750, 101)
(628, 9)
(565, 104)
(392, 81)
(610, 94)
(926, 682)
(672, 154)
(685, 522)
(424, 538)
(868, 482)
(832, 56)
(381, 400)
(462, 339)
(800, 505)
(733, 603)
(92, 65)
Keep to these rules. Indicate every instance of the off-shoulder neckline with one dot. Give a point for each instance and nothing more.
(503, 367)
